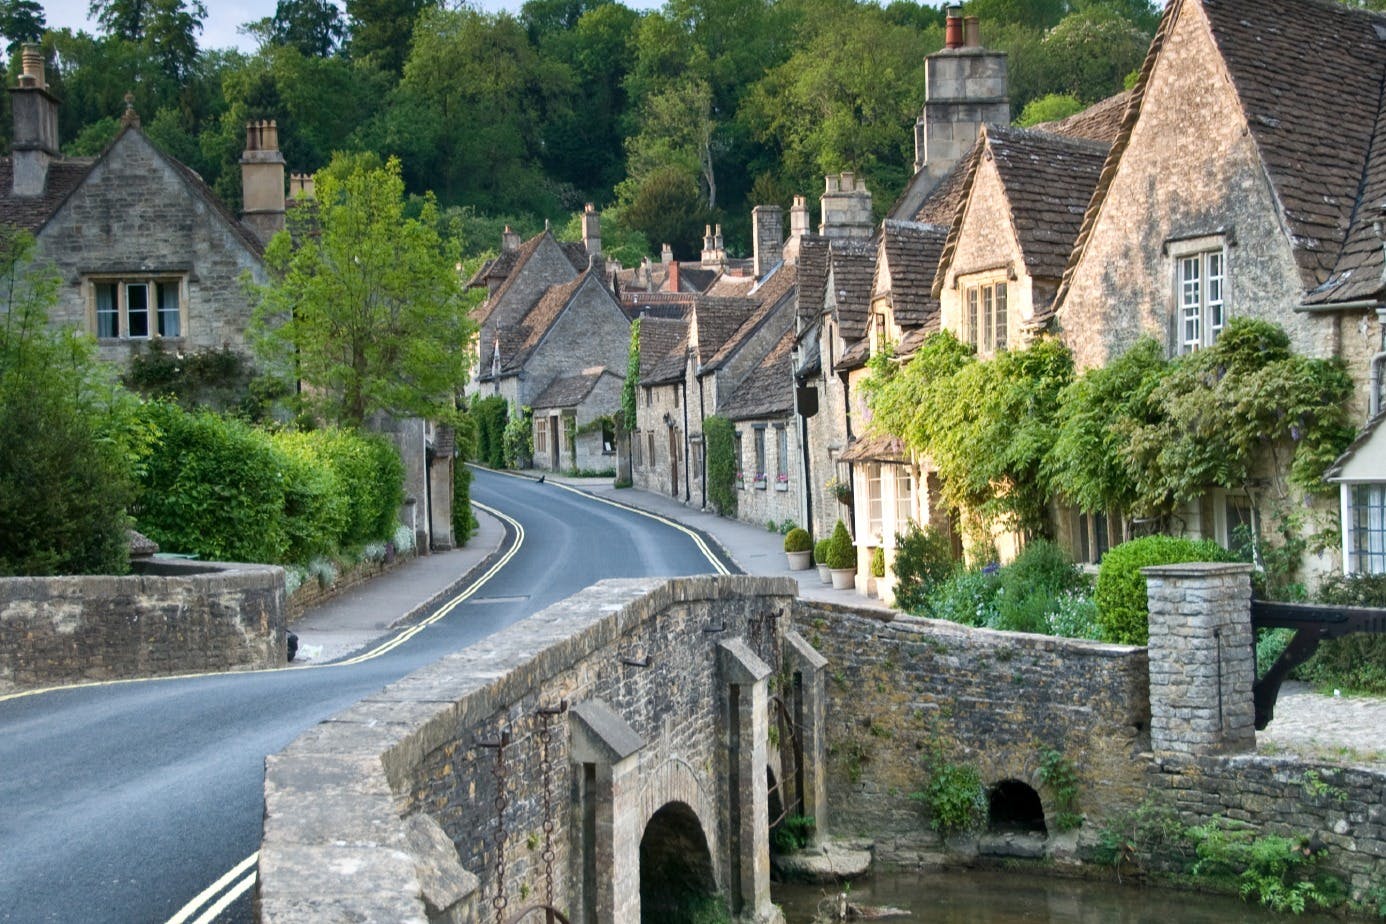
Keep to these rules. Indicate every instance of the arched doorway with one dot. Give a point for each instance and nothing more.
(677, 882)
(1015, 807)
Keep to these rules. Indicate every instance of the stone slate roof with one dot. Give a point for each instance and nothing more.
(497, 268)
(769, 390)
(570, 390)
(853, 268)
(30, 213)
(910, 252)
(875, 448)
(519, 340)
(1308, 75)
(731, 286)
(1099, 122)
(663, 350)
(718, 320)
(778, 285)
(854, 357)
(813, 277)
(518, 259)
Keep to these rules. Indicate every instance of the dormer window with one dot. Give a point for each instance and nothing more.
(137, 308)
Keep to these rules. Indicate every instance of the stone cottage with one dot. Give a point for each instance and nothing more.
(1247, 180)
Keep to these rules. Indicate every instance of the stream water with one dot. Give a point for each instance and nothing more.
(997, 897)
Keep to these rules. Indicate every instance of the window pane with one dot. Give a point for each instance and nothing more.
(873, 499)
(169, 320)
(1191, 301)
(107, 313)
(137, 309)
(970, 322)
(904, 497)
(988, 334)
(1001, 316)
(1369, 528)
(1214, 283)
(782, 452)
(760, 453)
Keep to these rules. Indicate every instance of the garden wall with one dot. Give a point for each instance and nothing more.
(175, 617)
(900, 686)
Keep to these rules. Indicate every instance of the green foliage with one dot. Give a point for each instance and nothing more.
(667, 207)
(793, 834)
(365, 304)
(923, 559)
(1122, 607)
(371, 475)
(719, 436)
(878, 562)
(220, 379)
(954, 796)
(66, 454)
(1049, 108)
(1273, 871)
(798, 540)
(490, 414)
(967, 596)
(1058, 773)
(841, 552)
(315, 504)
(820, 551)
(1355, 663)
(1031, 586)
(517, 439)
(628, 387)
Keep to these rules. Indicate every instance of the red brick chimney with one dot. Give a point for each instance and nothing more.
(953, 28)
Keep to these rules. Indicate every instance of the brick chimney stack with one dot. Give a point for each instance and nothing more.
(301, 184)
(262, 180)
(798, 228)
(35, 126)
(592, 231)
(768, 247)
(846, 208)
(510, 240)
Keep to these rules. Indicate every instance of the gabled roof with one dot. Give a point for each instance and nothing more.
(497, 268)
(813, 277)
(727, 286)
(769, 390)
(910, 255)
(778, 285)
(663, 350)
(1308, 76)
(717, 320)
(518, 341)
(522, 256)
(852, 266)
(1099, 122)
(571, 390)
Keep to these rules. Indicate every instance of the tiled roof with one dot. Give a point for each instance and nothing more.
(483, 311)
(943, 200)
(536, 323)
(854, 357)
(576, 252)
(718, 319)
(911, 253)
(30, 213)
(874, 448)
(1099, 122)
(813, 277)
(853, 269)
(663, 350)
(570, 390)
(731, 286)
(777, 286)
(769, 390)
(497, 268)
(1308, 75)
(912, 341)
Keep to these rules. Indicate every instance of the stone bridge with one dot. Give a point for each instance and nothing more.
(617, 752)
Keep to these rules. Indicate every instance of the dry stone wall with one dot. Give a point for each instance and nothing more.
(175, 618)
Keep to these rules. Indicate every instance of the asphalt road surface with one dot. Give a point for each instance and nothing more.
(125, 802)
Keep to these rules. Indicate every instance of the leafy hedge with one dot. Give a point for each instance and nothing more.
(721, 464)
(220, 489)
(1122, 607)
(490, 416)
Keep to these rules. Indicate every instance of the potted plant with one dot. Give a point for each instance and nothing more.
(878, 570)
(840, 490)
(798, 547)
(842, 558)
(820, 558)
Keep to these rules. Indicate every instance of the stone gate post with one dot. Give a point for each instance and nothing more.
(746, 678)
(1202, 658)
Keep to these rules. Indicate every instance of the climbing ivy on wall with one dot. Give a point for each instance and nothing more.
(721, 464)
(632, 377)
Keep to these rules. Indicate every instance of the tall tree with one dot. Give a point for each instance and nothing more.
(368, 304)
(382, 30)
(315, 27)
(21, 21)
(165, 29)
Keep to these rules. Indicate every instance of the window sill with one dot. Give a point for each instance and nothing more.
(781, 486)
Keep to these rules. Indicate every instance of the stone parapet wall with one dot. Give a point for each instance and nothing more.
(176, 618)
(1340, 809)
(388, 811)
(898, 687)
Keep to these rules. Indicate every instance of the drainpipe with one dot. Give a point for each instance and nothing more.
(808, 470)
(702, 421)
(687, 488)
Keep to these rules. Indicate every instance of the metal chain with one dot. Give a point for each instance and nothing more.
(499, 901)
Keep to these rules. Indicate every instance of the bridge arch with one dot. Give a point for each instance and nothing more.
(677, 873)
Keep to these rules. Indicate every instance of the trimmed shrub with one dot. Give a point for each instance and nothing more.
(490, 414)
(372, 483)
(820, 551)
(841, 552)
(878, 562)
(213, 487)
(1122, 607)
(464, 524)
(720, 438)
(798, 540)
(315, 510)
(923, 559)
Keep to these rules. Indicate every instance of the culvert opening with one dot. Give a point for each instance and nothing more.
(1015, 807)
(677, 884)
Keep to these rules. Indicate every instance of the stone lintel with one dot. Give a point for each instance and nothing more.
(1197, 569)
(739, 664)
(600, 736)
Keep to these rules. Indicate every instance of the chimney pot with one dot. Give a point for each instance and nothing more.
(32, 58)
(953, 28)
(510, 240)
(666, 255)
(972, 32)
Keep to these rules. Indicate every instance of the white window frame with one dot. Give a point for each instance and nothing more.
(1199, 291)
(1364, 527)
(985, 321)
(781, 458)
(875, 502)
(904, 499)
(109, 319)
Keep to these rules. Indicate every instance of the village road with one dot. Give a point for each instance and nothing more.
(121, 803)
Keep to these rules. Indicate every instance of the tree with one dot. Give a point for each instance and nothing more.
(383, 30)
(65, 480)
(1090, 52)
(368, 303)
(667, 208)
(167, 29)
(21, 21)
(1049, 108)
(314, 27)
